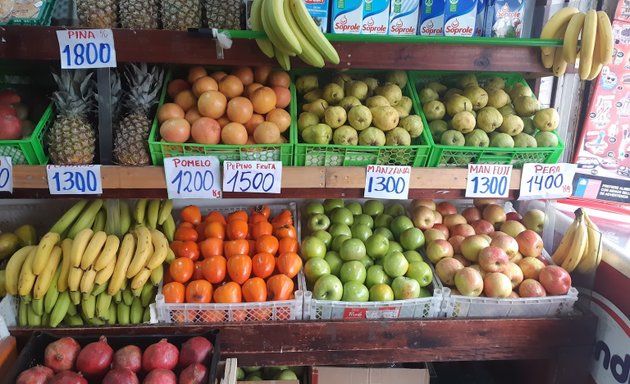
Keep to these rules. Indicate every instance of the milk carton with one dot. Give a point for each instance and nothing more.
(319, 11)
(481, 18)
(375, 17)
(460, 17)
(347, 16)
(403, 17)
(511, 18)
(431, 18)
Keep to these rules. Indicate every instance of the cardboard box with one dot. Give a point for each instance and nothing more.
(345, 375)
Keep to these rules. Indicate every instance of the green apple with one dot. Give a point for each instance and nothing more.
(395, 210)
(394, 246)
(330, 204)
(383, 220)
(395, 264)
(355, 208)
(399, 225)
(365, 220)
(412, 239)
(355, 291)
(424, 292)
(253, 377)
(381, 292)
(352, 249)
(328, 287)
(405, 288)
(342, 215)
(339, 229)
(318, 222)
(323, 236)
(240, 373)
(367, 261)
(314, 208)
(334, 262)
(421, 272)
(376, 275)
(287, 374)
(380, 261)
(377, 246)
(385, 232)
(353, 271)
(313, 247)
(360, 231)
(314, 268)
(373, 207)
(412, 256)
(338, 241)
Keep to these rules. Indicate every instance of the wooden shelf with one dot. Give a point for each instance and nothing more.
(159, 46)
(297, 182)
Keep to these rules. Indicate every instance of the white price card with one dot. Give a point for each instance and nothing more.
(387, 182)
(488, 180)
(193, 177)
(547, 181)
(74, 179)
(6, 174)
(86, 48)
(252, 176)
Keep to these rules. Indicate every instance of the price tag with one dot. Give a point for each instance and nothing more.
(86, 48)
(488, 180)
(387, 182)
(74, 179)
(6, 174)
(547, 181)
(252, 176)
(193, 177)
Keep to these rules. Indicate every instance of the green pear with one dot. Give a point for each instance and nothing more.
(348, 102)
(512, 125)
(377, 101)
(547, 119)
(477, 96)
(341, 79)
(437, 87)
(391, 92)
(434, 110)
(437, 128)
(318, 107)
(306, 83)
(317, 134)
(427, 94)
(507, 109)
(452, 92)
(335, 116)
(523, 140)
(457, 103)
(345, 135)
(464, 122)
(477, 138)
(501, 140)
(466, 80)
(372, 84)
(546, 139)
(526, 106)
(404, 106)
(372, 137)
(489, 119)
(453, 137)
(397, 77)
(397, 136)
(519, 89)
(360, 117)
(412, 124)
(313, 95)
(497, 98)
(357, 89)
(385, 118)
(307, 119)
(333, 93)
(495, 82)
(528, 125)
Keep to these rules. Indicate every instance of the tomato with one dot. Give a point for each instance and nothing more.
(181, 269)
(191, 214)
(267, 243)
(290, 264)
(287, 244)
(237, 216)
(263, 265)
(189, 250)
(283, 218)
(279, 287)
(214, 229)
(216, 216)
(264, 210)
(239, 268)
(261, 228)
(186, 234)
(254, 290)
(197, 272)
(237, 229)
(211, 246)
(285, 231)
(228, 293)
(214, 268)
(235, 247)
(174, 292)
(199, 291)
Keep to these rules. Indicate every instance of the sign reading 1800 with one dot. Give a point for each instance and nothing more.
(86, 48)
(192, 177)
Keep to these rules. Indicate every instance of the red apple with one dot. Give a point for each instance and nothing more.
(531, 267)
(453, 219)
(10, 127)
(495, 214)
(446, 208)
(513, 295)
(456, 242)
(442, 228)
(516, 257)
(438, 217)
(534, 219)
(493, 259)
(530, 244)
(515, 274)
(446, 270)
(531, 288)
(512, 227)
(481, 203)
(455, 291)
(462, 260)
(506, 243)
(478, 268)
(465, 230)
(439, 249)
(513, 216)
(482, 227)
(471, 214)
(497, 234)
(469, 282)
(423, 203)
(433, 234)
(555, 279)
(422, 217)
(471, 246)
(496, 284)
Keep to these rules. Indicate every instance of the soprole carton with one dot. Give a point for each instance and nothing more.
(431, 18)
(460, 17)
(375, 17)
(403, 17)
(347, 16)
(319, 11)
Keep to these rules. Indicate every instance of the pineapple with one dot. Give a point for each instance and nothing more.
(180, 15)
(97, 13)
(131, 145)
(224, 14)
(139, 14)
(72, 139)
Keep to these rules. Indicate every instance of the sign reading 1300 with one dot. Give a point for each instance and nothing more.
(74, 179)
(86, 48)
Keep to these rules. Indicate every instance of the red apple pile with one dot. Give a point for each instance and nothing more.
(66, 362)
(485, 251)
(14, 123)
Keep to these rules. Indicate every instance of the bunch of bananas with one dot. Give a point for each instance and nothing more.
(585, 35)
(81, 272)
(291, 31)
(11, 242)
(581, 246)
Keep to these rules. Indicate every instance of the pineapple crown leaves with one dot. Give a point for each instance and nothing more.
(144, 87)
(75, 94)
(116, 93)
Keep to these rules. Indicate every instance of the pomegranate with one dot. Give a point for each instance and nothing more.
(10, 127)
(95, 358)
(195, 373)
(129, 357)
(160, 376)
(36, 375)
(195, 350)
(67, 377)
(120, 376)
(160, 355)
(61, 354)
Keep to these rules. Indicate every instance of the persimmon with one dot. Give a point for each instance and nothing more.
(186, 234)
(191, 214)
(263, 265)
(201, 229)
(214, 229)
(264, 210)
(197, 272)
(279, 287)
(239, 268)
(216, 216)
(254, 290)
(181, 269)
(186, 225)
(285, 231)
(237, 215)
(289, 264)
(252, 247)
(267, 243)
(283, 218)
(174, 292)
(237, 229)
(211, 246)
(214, 269)
(199, 291)
(228, 293)
(235, 247)
(256, 217)
(187, 249)
(260, 229)
(287, 244)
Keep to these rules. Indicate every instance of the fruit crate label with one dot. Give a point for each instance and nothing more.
(371, 313)
(547, 181)
(488, 180)
(74, 179)
(6, 174)
(86, 48)
(252, 176)
(193, 177)
(387, 182)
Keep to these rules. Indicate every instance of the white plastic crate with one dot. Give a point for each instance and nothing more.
(9, 310)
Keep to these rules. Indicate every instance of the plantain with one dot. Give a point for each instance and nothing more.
(74, 321)
(34, 320)
(122, 313)
(157, 275)
(75, 297)
(147, 295)
(27, 235)
(136, 312)
(66, 248)
(168, 227)
(98, 288)
(125, 217)
(38, 306)
(88, 307)
(99, 221)
(103, 302)
(112, 313)
(139, 212)
(23, 313)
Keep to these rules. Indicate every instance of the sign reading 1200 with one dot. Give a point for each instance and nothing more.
(192, 177)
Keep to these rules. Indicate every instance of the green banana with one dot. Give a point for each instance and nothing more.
(137, 292)
(61, 309)
(157, 275)
(170, 256)
(88, 307)
(38, 306)
(125, 217)
(45, 319)
(153, 211)
(98, 289)
(112, 314)
(312, 31)
(168, 228)
(68, 218)
(122, 313)
(135, 315)
(139, 212)
(86, 219)
(103, 301)
(95, 321)
(75, 297)
(99, 221)
(147, 295)
(34, 320)
(165, 210)
(118, 297)
(22, 314)
(256, 21)
(146, 316)
(52, 294)
(74, 321)
(72, 309)
(27, 298)
(127, 297)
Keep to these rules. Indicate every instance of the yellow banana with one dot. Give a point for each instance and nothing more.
(108, 254)
(52, 295)
(44, 249)
(256, 23)
(99, 221)
(125, 253)
(68, 218)
(144, 249)
(157, 275)
(104, 274)
(86, 219)
(310, 55)
(313, 33)
(93, 249)
(79, 244)
(579, 245)
(589, 34)
(14, 265)
(66, 249)
(595, 70)
(87, 281)
(559, 64)
(60, 309)
(125, 217)
(27, 277)
(3, 281)
(43, 280)
(169, 228)
(283, 59)
(605, 38)
(74, 279)
(139, 212)
(571, 37)
(561, 252)
(165, 210)
(160, 249)
(140, 279)
(153, 212)
(559, 19)
(593, 252)
(273, 18)
(98, 288)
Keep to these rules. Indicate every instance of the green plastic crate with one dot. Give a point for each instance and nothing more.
(254, 152)
(332, 155)
(43, 18)
(454, 156)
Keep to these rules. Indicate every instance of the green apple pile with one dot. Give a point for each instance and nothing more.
(279, 373)
(363, 252)
(357, 111)
(485, 251)
(485, 113)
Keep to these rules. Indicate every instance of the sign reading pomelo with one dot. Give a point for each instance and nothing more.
(192, 177)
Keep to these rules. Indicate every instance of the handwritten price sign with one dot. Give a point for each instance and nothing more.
(387, 182)
(252, 176)
(488, 180)
(193, 177)
(86, 48)
(6, 174)
(547, 181)
(74, 179)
